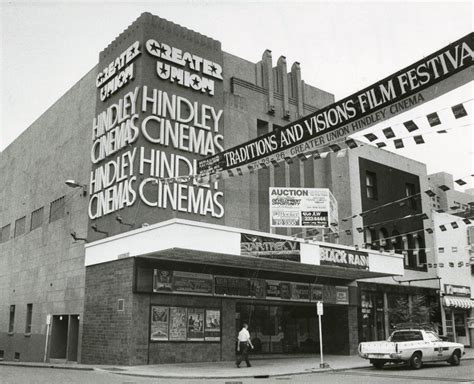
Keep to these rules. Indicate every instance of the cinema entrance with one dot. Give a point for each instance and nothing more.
(293, 328)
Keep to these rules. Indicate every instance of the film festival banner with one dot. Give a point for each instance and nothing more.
(434, 75)
(302, 207)
(269, 247)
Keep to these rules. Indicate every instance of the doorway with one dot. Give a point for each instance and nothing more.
(64, 337)
(288, 329)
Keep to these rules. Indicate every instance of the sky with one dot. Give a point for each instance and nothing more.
(342, 46)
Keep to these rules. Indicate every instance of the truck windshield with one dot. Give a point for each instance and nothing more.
(406, 336)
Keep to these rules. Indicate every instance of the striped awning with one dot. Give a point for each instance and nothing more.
(458, 302)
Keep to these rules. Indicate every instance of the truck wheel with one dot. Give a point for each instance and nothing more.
(378, 364)
(415, 360)
(454, 359)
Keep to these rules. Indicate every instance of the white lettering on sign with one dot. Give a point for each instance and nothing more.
(187, 62)
(457, 290)
(344, 257)
(170, 121)
(118, 73)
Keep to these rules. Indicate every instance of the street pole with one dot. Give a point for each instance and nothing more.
(48, 324)
(321, 365)
(319, 309)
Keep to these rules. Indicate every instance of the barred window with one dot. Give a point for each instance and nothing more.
(11, 322)
(20, 226)
(29, 316)
(5, 233)
(36, 218)
(57, 209)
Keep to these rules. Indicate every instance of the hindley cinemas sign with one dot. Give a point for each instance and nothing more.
(347, 258)
(159, 110)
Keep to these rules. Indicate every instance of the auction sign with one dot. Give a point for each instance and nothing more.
(302, 207)
(434, 75)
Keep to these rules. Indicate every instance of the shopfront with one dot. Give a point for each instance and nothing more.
(181, 290)
(383, 307)
(457, 307)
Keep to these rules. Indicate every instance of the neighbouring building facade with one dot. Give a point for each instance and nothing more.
(141, 263)
(454, 234)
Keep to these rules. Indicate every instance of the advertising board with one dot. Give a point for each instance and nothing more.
(302, 207)
(269, 247)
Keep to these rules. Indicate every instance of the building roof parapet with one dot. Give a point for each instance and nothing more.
(147, 18)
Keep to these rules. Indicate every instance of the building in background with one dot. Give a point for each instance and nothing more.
(453, 213)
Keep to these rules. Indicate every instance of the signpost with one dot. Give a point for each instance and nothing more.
(319, 309)
(48, 326)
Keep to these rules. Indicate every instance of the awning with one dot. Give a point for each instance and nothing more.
(458, 302)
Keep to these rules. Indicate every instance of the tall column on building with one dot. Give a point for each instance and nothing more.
(297, 86)
(267, 79)
(283, 85)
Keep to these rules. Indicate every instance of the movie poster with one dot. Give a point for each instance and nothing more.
(212, 331)
(177, 323)
(162, 280)
(159, 323)
(195, 324)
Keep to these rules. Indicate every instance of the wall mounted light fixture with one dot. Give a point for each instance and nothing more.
(76, 238)
(73, 184)
(95, 229)
(120, 220)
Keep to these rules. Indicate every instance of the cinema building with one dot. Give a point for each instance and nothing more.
(141, 263)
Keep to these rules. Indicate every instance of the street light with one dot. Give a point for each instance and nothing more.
(74, 184)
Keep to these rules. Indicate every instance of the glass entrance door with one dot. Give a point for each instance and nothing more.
(460, 327)
(280, 329)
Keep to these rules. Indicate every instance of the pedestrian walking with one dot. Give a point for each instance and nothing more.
(243, 343)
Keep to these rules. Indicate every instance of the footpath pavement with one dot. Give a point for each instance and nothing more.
(264, 367)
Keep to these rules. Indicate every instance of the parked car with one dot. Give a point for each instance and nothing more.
(412, 346)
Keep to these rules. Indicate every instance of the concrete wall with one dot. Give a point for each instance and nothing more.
(44, 266)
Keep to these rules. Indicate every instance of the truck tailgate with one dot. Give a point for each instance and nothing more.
(377, 347)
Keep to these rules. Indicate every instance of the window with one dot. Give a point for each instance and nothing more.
(11, 323)
(5, 233)
(432, 337)
(56, 209)
(36, 218)
(454, 249)
(406, 336)
(371, 185)
(29, 315)
(20, 226)
(440, 250)
(410, 191)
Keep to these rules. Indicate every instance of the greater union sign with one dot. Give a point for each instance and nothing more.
(347, 258)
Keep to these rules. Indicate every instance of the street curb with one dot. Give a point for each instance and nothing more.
(56, 366)
(158, 376)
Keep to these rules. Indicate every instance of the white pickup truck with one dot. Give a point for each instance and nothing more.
(413, 346)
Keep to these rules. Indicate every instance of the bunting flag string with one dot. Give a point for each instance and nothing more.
(434, 120)
(454, 225)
